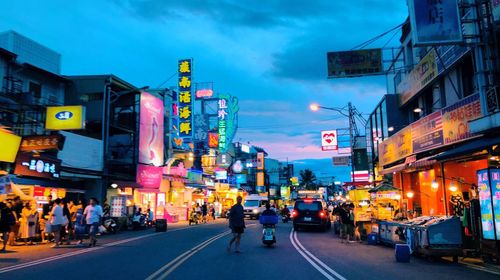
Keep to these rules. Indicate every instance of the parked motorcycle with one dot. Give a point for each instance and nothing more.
(139, 221)
(110, 225)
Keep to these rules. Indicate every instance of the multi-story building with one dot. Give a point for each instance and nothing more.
(443, 135)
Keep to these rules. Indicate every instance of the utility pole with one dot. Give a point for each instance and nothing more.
(352, 133)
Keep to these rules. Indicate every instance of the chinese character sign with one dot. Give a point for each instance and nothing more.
(228, 120)
(201, 128)
(213, 140)
(151, 130)
(185, 98)
(435, 22)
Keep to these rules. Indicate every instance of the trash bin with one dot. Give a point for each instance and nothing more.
(372, 238)
(402, 253)
(161, 225)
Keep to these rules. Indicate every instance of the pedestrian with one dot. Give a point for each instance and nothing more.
(93, 214)
(344, 222)
(28, 224)
(56, 221)
(17, 207)
(66, 229)
(14, 226)
(7, 219)
(212, 211)
(204, 212)
(46, 210)
(237, 224)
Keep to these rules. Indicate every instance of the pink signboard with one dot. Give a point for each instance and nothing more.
(149, 176)
(151, 130)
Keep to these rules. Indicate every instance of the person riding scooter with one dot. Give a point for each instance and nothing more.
(285, 214)
(268, 219)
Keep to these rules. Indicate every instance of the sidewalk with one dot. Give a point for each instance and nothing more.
(473, 263)
(26, 253)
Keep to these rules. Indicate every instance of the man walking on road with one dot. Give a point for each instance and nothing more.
(93, 215)
(237, 224)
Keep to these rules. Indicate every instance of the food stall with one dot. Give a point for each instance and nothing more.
(363, 213)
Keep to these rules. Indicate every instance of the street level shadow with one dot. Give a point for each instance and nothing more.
(9, 260)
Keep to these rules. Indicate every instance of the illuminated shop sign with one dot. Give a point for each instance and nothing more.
(29, 165)
(185, 98)
(65, 118)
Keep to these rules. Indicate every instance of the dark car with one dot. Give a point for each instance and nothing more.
(310, 213)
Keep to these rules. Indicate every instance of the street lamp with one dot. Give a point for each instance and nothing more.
(352, 113)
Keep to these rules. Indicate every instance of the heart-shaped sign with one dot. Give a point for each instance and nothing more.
(329, 137)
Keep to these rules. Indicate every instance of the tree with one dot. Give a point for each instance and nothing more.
(308, 180)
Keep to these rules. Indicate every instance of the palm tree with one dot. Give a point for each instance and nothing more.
(308, 179)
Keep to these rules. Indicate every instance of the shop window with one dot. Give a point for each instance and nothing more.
(467, 76)
(35, 89)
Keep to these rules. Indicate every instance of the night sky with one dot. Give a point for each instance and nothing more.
(271, 54)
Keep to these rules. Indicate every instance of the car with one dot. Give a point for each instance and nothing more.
(254, 205)
(310, 212)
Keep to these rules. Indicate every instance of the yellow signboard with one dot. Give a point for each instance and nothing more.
(423, 73)
(9, 145)
(260, 179)
(396, 147)
(65, 118)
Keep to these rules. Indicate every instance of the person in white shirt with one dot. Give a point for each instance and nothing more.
(56, 221)
(92, 215)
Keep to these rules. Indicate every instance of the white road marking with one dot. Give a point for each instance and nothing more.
(82, 251)
(167, 269)
(313, 260)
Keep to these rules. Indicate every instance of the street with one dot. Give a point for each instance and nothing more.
(199, 252)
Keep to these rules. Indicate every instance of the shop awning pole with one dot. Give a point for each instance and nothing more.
(443, 181)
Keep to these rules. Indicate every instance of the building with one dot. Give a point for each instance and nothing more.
(441, 149)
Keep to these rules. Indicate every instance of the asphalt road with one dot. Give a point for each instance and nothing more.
(199, 252)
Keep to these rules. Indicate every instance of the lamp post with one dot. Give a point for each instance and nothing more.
(352, 114)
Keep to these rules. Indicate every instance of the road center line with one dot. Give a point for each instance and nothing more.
(172, 265)
(328, 276)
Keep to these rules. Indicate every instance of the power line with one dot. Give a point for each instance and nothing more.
(366, 43)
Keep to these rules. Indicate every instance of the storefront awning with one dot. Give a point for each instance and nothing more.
(194, 185)
(395, 168)
(423, 162)
(469, 148)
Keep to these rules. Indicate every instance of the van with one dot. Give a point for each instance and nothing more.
(254, 205)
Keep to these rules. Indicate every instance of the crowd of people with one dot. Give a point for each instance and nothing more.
(22, 224)
(203, 213)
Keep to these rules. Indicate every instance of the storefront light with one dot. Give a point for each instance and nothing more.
(417, 110)
(114, 185)
(397, 197)
(410, 194)
(390, 128)
(453, 188)
(434, 185)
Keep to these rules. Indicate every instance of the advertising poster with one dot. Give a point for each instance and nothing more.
(149, 176)
(354, 63)
(427, 133)
(151, 130)
(435, 22)
(495, 7)
(423, 73)
(485, 202)
(456, 119)
(329, 140)
(495, 190)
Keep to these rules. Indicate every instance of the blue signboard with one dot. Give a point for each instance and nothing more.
(483, 183)
(435, 22)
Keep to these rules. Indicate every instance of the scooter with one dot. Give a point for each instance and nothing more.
(285, 218)
(269, 235)
(269, 229)
(110, 225)
(139, 221)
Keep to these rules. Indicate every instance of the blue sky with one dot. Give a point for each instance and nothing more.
(271, 54)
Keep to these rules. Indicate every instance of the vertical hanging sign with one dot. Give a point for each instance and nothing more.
(185, 98)
(222, 115)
